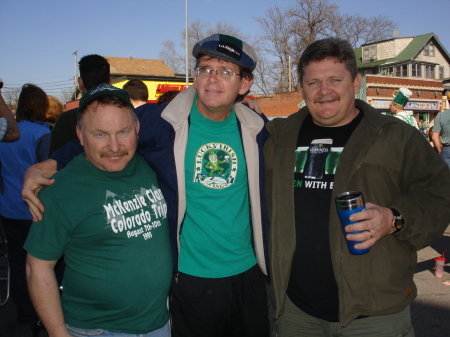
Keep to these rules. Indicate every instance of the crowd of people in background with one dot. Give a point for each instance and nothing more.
(181, 217)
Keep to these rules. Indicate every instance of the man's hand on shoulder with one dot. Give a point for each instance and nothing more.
(252, 105)
(35, 178)
(375, 223)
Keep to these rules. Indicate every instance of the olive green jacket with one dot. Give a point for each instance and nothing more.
(394, 166)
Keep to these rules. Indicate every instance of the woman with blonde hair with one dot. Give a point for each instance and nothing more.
(55, 108)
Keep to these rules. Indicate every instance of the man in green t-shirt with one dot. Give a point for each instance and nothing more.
(113, 232)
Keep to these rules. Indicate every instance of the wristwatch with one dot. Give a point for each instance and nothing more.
(397, 222)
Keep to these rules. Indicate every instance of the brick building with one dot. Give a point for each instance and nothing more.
(420, 63)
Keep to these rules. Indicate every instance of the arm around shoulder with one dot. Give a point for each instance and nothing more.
(36, 176)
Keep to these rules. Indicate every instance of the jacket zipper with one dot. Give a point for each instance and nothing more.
(340, 251)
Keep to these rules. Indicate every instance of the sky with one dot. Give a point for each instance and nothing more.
(38, 37)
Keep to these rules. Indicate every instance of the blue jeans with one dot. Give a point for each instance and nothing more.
(445, 154)
(76, 332)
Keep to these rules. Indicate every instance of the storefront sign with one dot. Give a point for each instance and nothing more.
(411, 105)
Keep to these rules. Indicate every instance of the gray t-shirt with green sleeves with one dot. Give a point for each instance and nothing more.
(442, 126)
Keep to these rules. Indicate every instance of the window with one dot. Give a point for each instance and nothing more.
(404, 70)
(429, 71)
(400, 71)
(416, 70)
(441, 73)
(429, 50)
(369, 53)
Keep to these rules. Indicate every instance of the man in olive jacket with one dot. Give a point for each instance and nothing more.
(333, 145)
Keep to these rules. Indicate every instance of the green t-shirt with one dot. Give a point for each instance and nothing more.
(215, 238)
(113, 231)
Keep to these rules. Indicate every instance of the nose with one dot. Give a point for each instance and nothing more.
(213, 76)
(113, 144)
(324, 87)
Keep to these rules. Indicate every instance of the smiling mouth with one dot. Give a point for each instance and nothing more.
(114, 154)
(327, 98)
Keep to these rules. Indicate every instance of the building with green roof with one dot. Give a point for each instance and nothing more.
(420, 63)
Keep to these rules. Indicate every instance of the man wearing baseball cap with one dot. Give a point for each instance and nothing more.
(107, 215)
(206, 149)
(397, 106)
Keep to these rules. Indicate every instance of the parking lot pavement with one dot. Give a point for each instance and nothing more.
(431, 309)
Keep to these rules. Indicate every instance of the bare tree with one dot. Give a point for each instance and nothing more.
(311, 18)
(66, 95)
(11, 96)
(276, 40)
(378, 28)
(288, 31)
(174, 56)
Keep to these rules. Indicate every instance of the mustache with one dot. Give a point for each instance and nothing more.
(326, 98)
(119, 153)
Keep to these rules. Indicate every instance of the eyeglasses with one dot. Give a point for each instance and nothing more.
(225, 74)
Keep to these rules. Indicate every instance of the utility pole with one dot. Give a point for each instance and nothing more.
(289, 67)
(187, 43)
(75, 54)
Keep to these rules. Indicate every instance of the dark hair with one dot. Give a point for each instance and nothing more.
(332, 47)
(167, 96)
(32, 104)
(243, 72)
(94, 70)
(106, 100)
(137, 89)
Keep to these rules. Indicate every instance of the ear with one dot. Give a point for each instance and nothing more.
(195, 82)
(80, 135)
(138, 127)
(245, 85)
(110, 80)
(357, 83)
(300, 88)
(81, 85)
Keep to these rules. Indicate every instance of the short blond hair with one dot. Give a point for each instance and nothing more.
(55, 108)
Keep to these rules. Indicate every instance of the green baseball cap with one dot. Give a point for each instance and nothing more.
(101, 90)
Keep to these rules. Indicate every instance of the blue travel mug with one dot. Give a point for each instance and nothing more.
(348, 203)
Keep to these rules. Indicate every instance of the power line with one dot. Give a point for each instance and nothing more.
(37, 79)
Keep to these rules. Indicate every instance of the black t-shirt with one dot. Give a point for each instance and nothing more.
(312, 286)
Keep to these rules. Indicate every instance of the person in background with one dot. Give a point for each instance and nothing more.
(138, 92)
(168, 96)
(441, 134)
(55, 109)
(9, 131)
(398, 104)
(94, 70)
(333, 145)
(15, 157)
